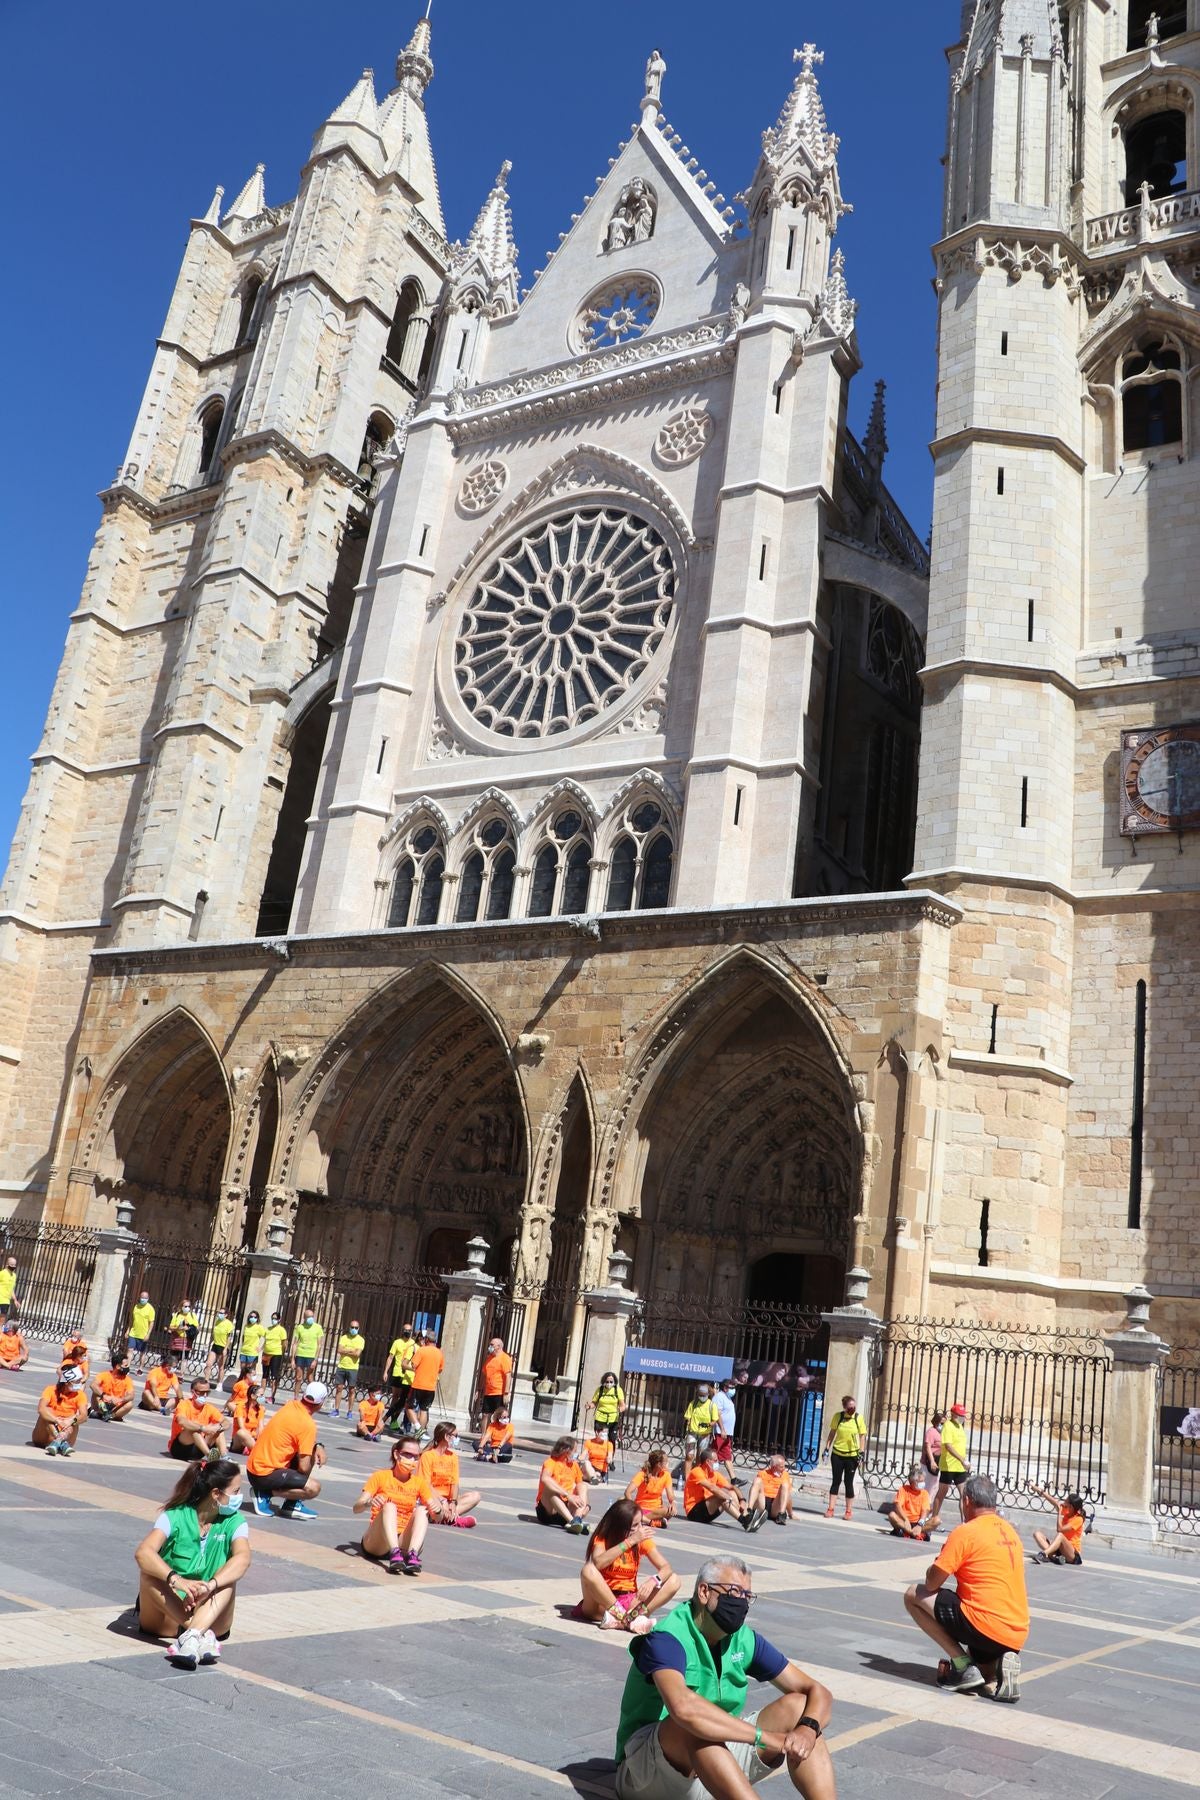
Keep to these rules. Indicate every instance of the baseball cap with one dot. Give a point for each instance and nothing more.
(958, 1411)
(317, 1392)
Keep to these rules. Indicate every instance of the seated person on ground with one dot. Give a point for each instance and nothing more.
(597, 1455)
(771, 1491)
(197, 1427)
(682, 1732)
(113, 1394)
(496, 1439)
(286, 1456)
(909, 1514)
(245, 1412)
(75, 1354)
(192, 1561)
(708, 1492)
(654, 1490)
(439, 1466)
(1066, 1546)
(562, 1491)
(401, 1503)
(14, 1351)
(615, 1591)
(370, 1415)
(983, 1622)
(62, 1405)
(160, 1393)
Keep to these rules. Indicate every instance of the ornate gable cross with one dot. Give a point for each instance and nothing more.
(810, 56)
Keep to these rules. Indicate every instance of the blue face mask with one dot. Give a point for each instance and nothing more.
(227, 1509)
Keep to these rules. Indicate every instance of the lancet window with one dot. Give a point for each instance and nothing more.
(417, 884)
(1152, 394)
(642, 859)
(211, 420)
(562, 868)
(1156, 155)
(487, 872)
(250, 298)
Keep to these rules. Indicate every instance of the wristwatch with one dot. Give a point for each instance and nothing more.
(814, 1725)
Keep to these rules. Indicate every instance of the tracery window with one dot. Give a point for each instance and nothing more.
(642, 860)
(485, 883)
(564, 622)
(1156, 153)
(417, 884)
(617, 314)
(562, 867)
(1151, 394)
(893, 650)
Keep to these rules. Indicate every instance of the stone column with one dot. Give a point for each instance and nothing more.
(853, 1332)
(100, 1321)
(1131, 1435)
(468, 1293)
(267, 1270)
(609, 1310)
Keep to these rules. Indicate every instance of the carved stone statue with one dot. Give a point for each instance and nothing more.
(633, 216)
(656, 68)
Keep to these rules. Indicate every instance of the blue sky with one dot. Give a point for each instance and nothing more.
(120, 121)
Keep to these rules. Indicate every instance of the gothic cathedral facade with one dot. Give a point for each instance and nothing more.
(480, 797)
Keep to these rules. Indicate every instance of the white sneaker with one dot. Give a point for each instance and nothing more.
(186, 1650)
(210, 1650)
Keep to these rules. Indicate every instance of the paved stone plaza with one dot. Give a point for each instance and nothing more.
(471, 1681)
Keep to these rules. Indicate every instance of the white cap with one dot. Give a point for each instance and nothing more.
(72, 1377)
(317, 1392)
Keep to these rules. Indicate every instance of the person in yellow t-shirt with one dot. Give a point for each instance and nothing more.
(274, 1351)
(253, 1333)
(141, 1324)
(843, 1447)
(218, 1351)
(306, 1346)
(700, 1420)
(953, 1467)
(351, 1345)
(398, 1369)
(8, 1289)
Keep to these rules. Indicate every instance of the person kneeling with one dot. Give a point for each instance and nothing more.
(614, 1590)
(401, 1503)
(982, 1623)
(1066, 1546)
(192, 1561)
(708, 1492)
(562, 1491)
(286, 1455)
(908, 1515)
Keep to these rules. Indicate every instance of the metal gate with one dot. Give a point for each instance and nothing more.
(380, 1301)
(1176, 1504)
(56, 1265)
(1034, 1399)
(778, 1355)
(171, 1272)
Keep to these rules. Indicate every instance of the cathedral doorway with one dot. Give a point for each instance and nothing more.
(786, 1279)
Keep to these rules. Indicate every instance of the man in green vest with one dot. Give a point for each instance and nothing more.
(682, 1734)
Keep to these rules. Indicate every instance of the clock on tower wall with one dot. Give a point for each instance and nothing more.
(1160, 780)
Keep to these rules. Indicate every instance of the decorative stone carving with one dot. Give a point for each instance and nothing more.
(290, 1058)
(633, 216)
(656, 68)
(443, 745)
(482, 487)
(648, 719)
(616, 314)
(531, 1046)
(683, 437)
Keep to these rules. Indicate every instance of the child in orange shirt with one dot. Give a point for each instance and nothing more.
(1066, 1546)
(910, 1507)
(370, 1417)
(653, 1490)
(597, 1453)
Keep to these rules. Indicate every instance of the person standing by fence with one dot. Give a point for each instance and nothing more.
(398, 1370)
(495, 1379)
(607, 1405)
(306, 1346)
(953, 1467)
(843, 1447)
(931, 1449)
(700, 1420)
(351, 1345)
(274, 1355)
(8, 1289)
(427, 1366)
(218, 1350)
(141, 1324)
(253, 1334)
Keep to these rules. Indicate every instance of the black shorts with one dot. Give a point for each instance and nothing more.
(545, 1517)
(279, 1481)
(187, 1452)
(421, 1398)
(700, 1514)
(274, 1366)
(491, 1403)
(953, 1477)
(947, 1610)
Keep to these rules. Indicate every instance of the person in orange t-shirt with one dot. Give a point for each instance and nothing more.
(615, 1592)
(1066, 1546)
(771, 1492)
(197, 1427)
(286, 1455)
(495, 1378)
(497, 1439)
(427, 1365)
(562, 1491)
(439, 1466)
(708, 1492)
(653, 1490)
(245, 1410)
(14, 1351)
(370, 1416)
(909, 1509)
(113, 1395)
(598, 1454)
(161, 1391)
(982, 1623)
(75, 1354)
(401, 1501)
(62, 1405)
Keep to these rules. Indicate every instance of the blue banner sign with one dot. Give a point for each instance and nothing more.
(680, 1365)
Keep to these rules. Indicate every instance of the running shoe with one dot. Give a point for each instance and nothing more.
(1039, 1556)
(412, 1563)
(962, 1681)
(296, 1509)
(1008, 1679)
(397, 1562)
(263, 1507)
(335, 1412)
(465, 1522)
(210, 1650)
(758, 1518)
(185, 1652)
(64, 1449)
(640, 1626)
(51, 1449)
(1059, 1559)
(613, 1620)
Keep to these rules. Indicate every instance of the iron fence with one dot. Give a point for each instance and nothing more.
(379, 1301)
(212, 1279)
(1035, 1403)
(56, 1265)
(1176, 1503)
(778, 1356)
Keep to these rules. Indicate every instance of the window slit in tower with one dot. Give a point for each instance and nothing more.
(737, 805)
(383, 744)
(1004, 343)
(1139, 1093)
(462, 350)
(762, 563)
(985, 1208)
(992, 1040)
(1024, 801)
(1029, 628)
(791, 249)
(217, 826)
(424, 540)
(999, 481)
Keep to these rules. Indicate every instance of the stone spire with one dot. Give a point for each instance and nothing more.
(414, 65)
(802, 120)
(213, 215)
(252, 200)
(360, 106)
(875, 444)
(489, 256)
(1010, 28)
(405, 128)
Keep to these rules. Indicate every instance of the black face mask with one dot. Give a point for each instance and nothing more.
(730, 1612)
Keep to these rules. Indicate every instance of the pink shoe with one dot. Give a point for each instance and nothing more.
(613, 1620)
(465, 1521)
(641, 1625)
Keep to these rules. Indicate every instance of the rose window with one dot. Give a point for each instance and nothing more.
(564, 623)
(617, 314)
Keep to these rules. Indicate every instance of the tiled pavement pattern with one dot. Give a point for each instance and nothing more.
(469, 1681)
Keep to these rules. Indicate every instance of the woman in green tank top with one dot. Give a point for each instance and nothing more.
(192, 1561)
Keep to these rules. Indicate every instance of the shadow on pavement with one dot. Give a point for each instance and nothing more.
(903, 1671)
(596, 1776)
